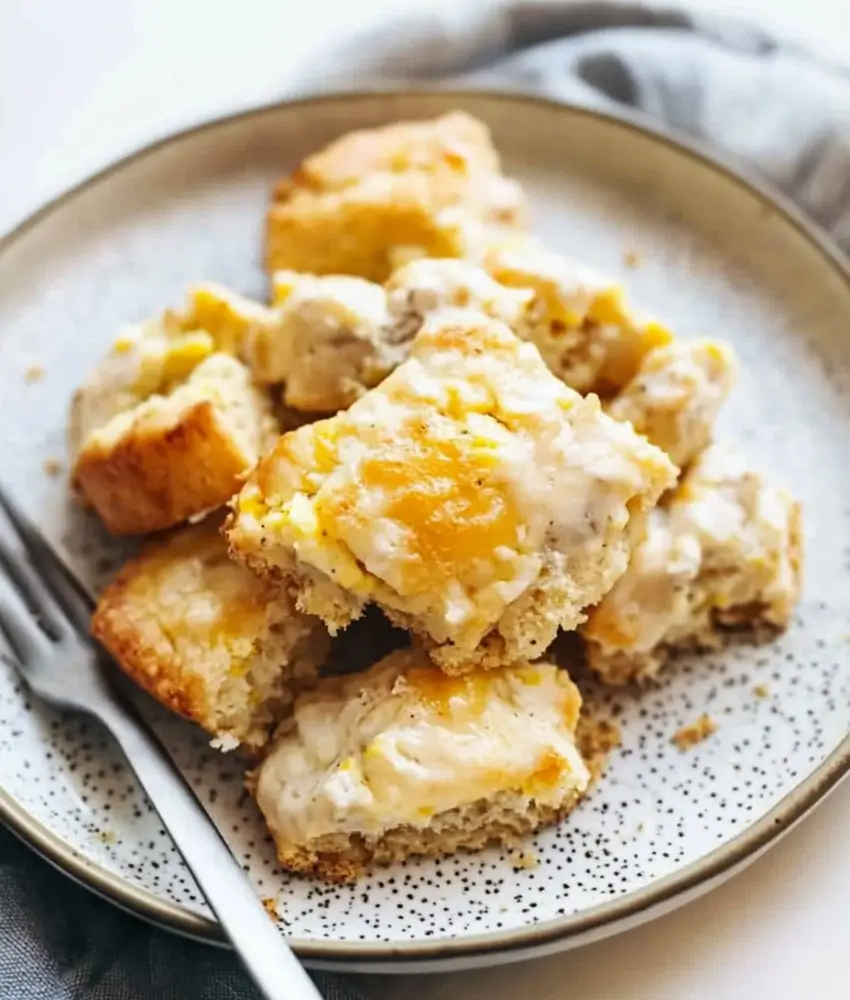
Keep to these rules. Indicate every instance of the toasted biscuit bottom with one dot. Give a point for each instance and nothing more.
(619, 667)
(504, 819)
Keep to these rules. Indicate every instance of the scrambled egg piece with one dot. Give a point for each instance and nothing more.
(472, 495)
(375, 198)
(207, 638)
(726, 552)
(331, 342)
(231, 319)
(585, 330)
(677, 394)
(176, 455)
(404, 760)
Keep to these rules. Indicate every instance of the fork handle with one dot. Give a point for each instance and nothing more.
(258, 942)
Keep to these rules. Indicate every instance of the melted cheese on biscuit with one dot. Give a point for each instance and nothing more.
(447, 492)
(651, 600)
(151, 358)
(220, 381)
(403, 743)
(208, 638)
(144, 360)
(749, 532)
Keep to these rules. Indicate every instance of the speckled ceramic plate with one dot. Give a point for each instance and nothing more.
(716, 256)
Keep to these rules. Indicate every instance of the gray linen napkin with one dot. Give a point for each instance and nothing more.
(773, 107)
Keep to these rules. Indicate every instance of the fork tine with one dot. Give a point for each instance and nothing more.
(70, 594)
(30, 536)
(32, 592)
(23, 635)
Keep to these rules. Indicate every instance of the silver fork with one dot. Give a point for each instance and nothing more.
(44, 617)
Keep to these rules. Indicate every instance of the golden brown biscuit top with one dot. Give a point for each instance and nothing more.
(453, 143)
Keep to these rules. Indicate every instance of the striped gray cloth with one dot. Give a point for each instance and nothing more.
(774, 107)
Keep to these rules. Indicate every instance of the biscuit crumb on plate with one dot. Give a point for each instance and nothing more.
(35, 373)
(695, 732)
(524, 859)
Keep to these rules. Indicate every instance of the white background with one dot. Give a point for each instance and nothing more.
(82, 81)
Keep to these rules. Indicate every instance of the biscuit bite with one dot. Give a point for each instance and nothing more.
(403, 760)
(450, 142)
(176, 455)
(150, 358)
(677, 394)
(330, 343)
(424, 286)
(725, 553)
(586, 331)
(207, 638)
(375, 197)
(144, 360)
(337, 336)
(474, 497)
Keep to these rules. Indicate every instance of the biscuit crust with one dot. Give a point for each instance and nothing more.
(375, 197)
(206, 638)
(174, 457)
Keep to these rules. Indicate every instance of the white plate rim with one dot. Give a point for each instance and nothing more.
(565, 932)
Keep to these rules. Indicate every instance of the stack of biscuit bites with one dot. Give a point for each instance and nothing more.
(441, 425)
